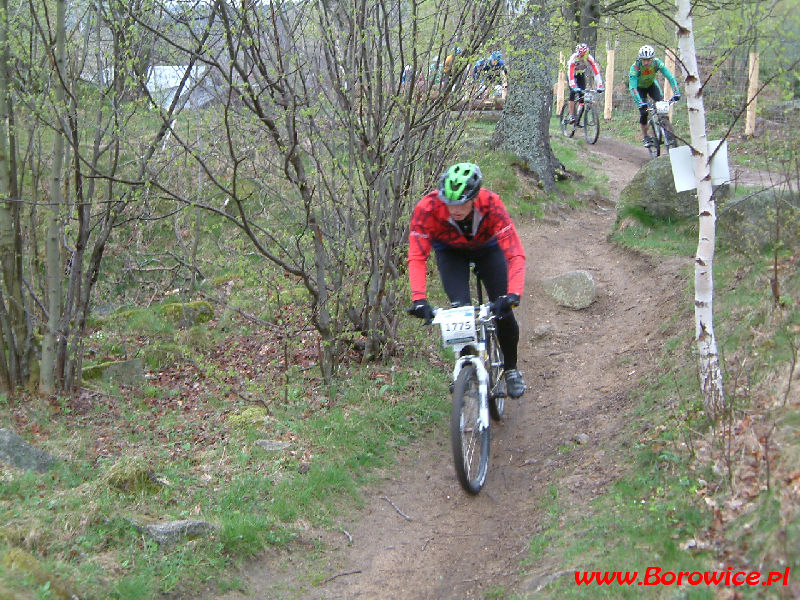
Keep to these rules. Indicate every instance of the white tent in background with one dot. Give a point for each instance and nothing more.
(163, 82)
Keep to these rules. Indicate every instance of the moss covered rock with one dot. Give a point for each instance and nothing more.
(23, 563)
(252, 416)
(188, 313)
(652, 190)
(131, 475)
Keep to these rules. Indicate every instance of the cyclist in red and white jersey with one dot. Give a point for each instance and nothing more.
(465, 223)
(577, 65)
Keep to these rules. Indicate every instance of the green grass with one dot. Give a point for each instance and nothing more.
(202, 442)
(254, 497)
(655, 236)
(647, 515)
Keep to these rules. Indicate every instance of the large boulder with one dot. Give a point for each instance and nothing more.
(18, 453)
(749, 223)
(652, 190)
(575, 289)
(121, 372)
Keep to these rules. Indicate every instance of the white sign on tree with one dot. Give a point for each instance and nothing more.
(683, 167)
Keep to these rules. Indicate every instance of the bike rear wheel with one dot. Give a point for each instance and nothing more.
(469, 438)
(497, 387)
(568, 129)
(655, 147)
(591, 124)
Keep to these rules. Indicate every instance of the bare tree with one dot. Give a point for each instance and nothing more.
(328, 127)
(74, 87)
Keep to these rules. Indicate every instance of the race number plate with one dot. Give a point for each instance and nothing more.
(458, 325)
(662, 107)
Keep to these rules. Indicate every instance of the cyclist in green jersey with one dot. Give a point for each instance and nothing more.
(642, 82)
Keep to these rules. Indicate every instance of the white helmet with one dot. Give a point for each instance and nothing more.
(647, 52)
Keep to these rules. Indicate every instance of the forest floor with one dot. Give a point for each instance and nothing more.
(419, 535)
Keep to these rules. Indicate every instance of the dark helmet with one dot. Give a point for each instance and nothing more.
(460, 184)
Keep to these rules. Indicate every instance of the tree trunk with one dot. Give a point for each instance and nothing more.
(524, 127)
(710, 372)
(15, 329)
(581, 16)
(48, 375)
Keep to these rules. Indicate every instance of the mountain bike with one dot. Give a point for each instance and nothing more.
(659, 127)
(478, 387)
(585, 116)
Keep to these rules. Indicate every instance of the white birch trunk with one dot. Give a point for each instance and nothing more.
(710, 372)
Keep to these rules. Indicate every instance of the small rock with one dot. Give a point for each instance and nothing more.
(541, 332)
(172, 532)
(272, 445)
(581, 438)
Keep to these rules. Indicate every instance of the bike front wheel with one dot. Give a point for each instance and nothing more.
(470, 439)
(497, 387)
(591, 124)
(567, 128)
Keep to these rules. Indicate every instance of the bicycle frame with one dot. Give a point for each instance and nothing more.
(478, 389)
(660, 127)
(586, 117)
(471, 350)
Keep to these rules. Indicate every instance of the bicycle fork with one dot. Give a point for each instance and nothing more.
(483, 385)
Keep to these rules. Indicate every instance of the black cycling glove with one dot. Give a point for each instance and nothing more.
(422, 310)
(504, 304)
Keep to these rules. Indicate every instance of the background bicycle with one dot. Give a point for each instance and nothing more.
(659, 128)
(586, 116)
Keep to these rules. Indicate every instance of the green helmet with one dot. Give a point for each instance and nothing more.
(460, 184)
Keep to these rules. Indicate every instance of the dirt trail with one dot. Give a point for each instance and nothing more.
(420, 536)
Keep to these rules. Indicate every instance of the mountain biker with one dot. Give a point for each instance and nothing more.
(447, 70)
(465, 223)
(492, 75)
(642, 82)
(488, 65)
(577, 65)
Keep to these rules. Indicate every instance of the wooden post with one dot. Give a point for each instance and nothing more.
(609, 99)
(669, 62)
(752, 90)
(561, 84)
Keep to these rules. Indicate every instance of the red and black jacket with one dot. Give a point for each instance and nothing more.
(431, 224)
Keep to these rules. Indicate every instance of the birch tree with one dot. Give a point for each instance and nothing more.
(73, 135)
(710, 371)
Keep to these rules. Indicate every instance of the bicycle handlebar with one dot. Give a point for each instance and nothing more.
(410, 311)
